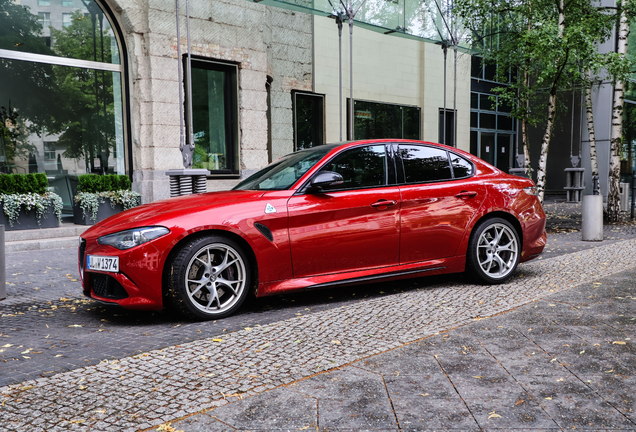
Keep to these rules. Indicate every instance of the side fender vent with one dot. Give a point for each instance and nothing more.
(265, 231)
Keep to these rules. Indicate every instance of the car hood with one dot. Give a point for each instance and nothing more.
(156, 212)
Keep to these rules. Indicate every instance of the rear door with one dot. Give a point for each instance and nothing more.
(437, 205)
(353, 226)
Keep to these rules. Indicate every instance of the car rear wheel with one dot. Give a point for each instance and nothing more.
(208, 278)
(493, 251)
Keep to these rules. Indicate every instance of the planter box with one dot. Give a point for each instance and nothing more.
(103, 211)
(28, 220)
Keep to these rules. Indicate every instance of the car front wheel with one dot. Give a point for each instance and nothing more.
(493, 251)
(208, 278)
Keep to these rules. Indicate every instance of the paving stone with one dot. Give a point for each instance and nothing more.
(180, 376)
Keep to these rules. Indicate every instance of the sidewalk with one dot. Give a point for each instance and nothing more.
(334, 360)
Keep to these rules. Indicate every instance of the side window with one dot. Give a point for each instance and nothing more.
(461, 167)
(360, 167)
(423, 164)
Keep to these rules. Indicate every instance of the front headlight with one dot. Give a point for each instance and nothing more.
(134, 237)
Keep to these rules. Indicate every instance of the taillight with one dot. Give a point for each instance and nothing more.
(532, 190)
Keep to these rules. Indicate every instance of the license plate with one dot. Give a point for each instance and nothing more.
(102, 263)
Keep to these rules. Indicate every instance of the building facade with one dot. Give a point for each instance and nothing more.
(93, 87)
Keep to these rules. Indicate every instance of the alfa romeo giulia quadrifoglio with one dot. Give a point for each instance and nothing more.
(339, 214)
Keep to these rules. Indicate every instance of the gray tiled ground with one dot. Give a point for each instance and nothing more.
(162, 385)
(518, 371)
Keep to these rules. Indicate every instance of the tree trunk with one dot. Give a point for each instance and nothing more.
(613, 194)
(590, 131)
(545, 142)
(525, 129)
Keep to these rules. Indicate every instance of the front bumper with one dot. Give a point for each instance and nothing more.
(137, 285)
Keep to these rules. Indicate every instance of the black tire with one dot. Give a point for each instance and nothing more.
(481, 263)
(192, 279)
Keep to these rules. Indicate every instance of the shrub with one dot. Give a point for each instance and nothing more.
(93, 183)
(11, 184)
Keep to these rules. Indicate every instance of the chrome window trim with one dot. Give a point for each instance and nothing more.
(59, 61)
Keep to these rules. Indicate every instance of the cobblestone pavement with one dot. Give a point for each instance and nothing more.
(162, 385)
(567, 361)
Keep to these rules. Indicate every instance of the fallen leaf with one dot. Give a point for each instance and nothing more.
(478, 376)
(560, 379)
(75, 325)
(582, 352)
(548, 398)
(610, 371)
(493, 415)
(424, 394)
(337, 342)
(619, 343)
(7, 345)
(217, 340)
(59, 355)
(519, 402)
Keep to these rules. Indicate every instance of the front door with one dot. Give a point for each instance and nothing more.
(354, 226)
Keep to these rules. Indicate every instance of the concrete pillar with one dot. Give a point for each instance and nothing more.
(592, 215)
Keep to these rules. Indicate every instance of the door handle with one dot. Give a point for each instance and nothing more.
(383, 203)
(466, 194)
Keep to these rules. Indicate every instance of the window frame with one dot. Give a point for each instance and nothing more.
(294, 95)
(349, 129)
(401, 173)
(122, 67)
(302, 190)
(231, 104)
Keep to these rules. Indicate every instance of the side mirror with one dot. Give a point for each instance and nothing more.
(325, 179)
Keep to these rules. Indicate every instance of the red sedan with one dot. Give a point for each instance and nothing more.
(330, 215)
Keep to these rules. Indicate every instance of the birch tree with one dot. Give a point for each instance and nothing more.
(548, 42)
(613, 194)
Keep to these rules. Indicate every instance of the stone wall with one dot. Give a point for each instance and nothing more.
(264, 41)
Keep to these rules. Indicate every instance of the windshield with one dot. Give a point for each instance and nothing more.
(286, 171)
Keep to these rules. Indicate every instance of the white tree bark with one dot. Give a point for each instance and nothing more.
(545, 142)
(590, 131)
(613, 194)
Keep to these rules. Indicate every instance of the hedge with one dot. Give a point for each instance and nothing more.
(93, 183)
(11, 184)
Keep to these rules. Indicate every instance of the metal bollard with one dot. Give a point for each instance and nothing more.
(592, 218)
(3, 278)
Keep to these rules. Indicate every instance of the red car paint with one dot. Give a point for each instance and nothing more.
(327, 238)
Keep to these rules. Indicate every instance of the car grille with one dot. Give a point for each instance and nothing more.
(107, 286)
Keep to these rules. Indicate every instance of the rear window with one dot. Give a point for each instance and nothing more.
(424, 164)
(461, 167)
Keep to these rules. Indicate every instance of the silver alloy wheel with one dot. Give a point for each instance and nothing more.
(497, 251)
(215, 278)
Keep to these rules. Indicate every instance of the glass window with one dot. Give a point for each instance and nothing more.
(487, 121)
(76, 35)
(286, 171)
(422, 164)
(504, 122)
(215, 117)
(485, 103)
(360, 167)
(447, 135)
(49, 150)
(44, 2)
(378, 120)
(461, 167)
(308, 120)
(67, 3)
(475, 67)
(64, 119)
(44, 18)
